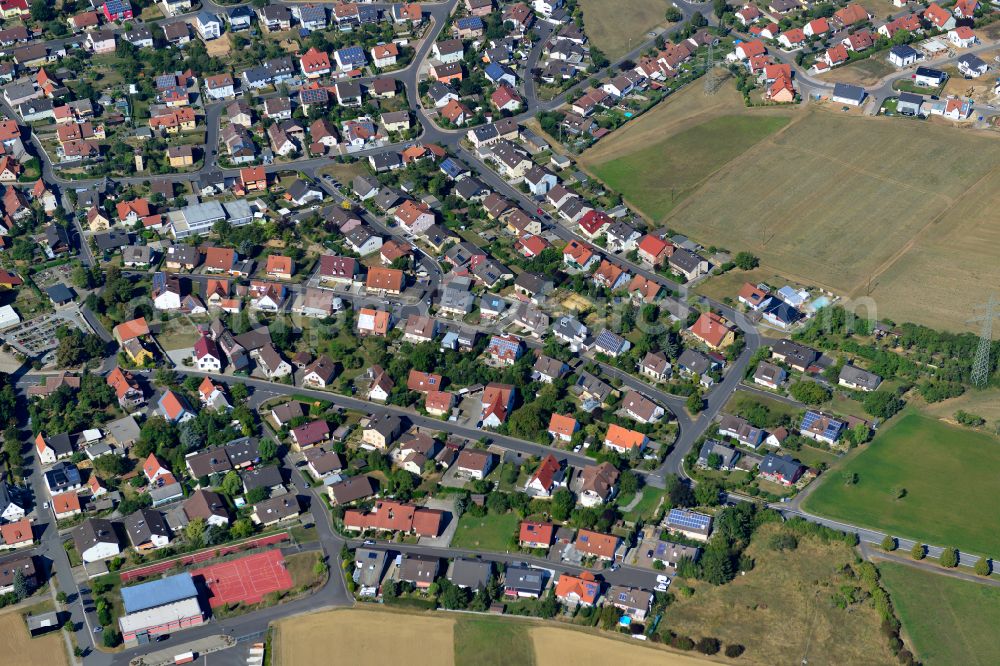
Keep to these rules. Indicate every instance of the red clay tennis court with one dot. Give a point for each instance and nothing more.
(248, 579)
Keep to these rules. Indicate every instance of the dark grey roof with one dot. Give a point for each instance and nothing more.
(267, 476)
(474, 574)
(848, 91)
(523, 578)
(694, 361)
(353, 489)
(59, 293)
(144, 524)
(94, 531)
(786, 466)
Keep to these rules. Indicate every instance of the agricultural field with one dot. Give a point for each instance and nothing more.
(442, 640)
(610, 25)
(808, 202)
(488, 641)
(984, 403)
(948, 621)
(663, 157)
(790, 589)
(18, 647)
(557, 647)
(944, 474)
(360, 637)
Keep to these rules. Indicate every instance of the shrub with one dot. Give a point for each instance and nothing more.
(708, 645)
(888, 544)
(949, 558)
(783, 541)
(734, 650)
(681, 643)
(983, 567)
(918, 551)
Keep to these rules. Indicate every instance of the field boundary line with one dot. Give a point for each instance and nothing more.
(899, 254)
(694, 189)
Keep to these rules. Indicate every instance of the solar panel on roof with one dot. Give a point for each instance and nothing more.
(689, 519)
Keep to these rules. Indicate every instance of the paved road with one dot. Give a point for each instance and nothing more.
(270, 389)
(690, 429)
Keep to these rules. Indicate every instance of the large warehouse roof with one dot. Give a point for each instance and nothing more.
(158, 592)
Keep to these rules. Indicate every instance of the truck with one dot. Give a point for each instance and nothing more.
(184, 658)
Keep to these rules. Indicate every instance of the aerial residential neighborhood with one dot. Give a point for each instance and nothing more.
(512, 332)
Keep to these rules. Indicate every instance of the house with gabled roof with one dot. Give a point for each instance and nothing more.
(574, 591)
(624, 440)
(597, 485)
(714, 331)
(497, 403)
(549, 476)
(535, 534)
(562, 427)
(174, 407)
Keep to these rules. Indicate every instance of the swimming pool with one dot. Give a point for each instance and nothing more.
(820, 302)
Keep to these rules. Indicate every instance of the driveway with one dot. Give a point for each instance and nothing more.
(443, 541)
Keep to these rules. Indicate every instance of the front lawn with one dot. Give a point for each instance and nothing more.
(646, 506)
(491, 532)
(922, 479)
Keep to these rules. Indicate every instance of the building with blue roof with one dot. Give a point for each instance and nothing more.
(158, 592)
(691, 524)
(159, 607)
(820, 427)
(500, 74)
(353, 57)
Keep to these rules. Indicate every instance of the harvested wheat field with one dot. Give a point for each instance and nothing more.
(557, 647)
(360, 637)
(610, 25)
(18, 647)
(863, 206)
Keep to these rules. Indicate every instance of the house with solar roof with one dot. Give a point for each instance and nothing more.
(353, 57)
(582, 590)
(821, 427)
(691, 524)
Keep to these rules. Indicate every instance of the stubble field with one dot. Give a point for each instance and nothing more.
(609, 25)
(18, 647)
(364, 637)
(901, 212)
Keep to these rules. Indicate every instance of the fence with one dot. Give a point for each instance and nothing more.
(201, 556)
